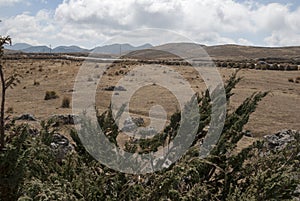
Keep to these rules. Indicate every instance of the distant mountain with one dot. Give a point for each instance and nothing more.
(119, 48)
(69, 49)
(169, 51)
(37, 49)
(17, 46)
(218, 52)
(252, 52)
(107, 49)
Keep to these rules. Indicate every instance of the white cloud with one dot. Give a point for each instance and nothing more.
(31, 29)
(88, 22)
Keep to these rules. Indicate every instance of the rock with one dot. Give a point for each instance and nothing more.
(138, 121)
(68, 119)
(114, 88)
(26, 117)
(131, 124)
(247, 133)
(147, 132)
(61, 146)
(280, 140)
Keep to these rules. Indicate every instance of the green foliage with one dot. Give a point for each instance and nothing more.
(29, 169)
(108, 125)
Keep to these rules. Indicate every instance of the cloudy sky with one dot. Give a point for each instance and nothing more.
(88, 23)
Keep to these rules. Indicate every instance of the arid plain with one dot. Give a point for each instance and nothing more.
(279, 110)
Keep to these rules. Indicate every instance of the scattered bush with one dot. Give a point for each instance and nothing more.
(51, 95)
(66, 102)
(10, 110)
(291, 80)
(36, 83)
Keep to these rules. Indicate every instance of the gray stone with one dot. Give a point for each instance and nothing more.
(131, 124)
(61, 146)
(280, 140)
(68, 119)
(26, 117)
(114, 88)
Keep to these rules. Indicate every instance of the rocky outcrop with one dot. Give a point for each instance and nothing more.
(26, 117)
(115, 88)
(61, 146)
(68, 119)
(280, 140)
(131, 124)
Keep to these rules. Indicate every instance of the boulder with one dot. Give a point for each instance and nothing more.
(61, 146)
(68, 119)
(26, 117)
(280, 140)
(114, 88)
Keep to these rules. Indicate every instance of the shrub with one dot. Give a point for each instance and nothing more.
(10, 110)
(65, 102)
(36, 83)
(224, 65)
(51, 95)
(291, 80)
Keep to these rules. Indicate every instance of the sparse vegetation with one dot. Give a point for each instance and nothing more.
(50, 95)
(36, 83)
(66, 102)
(291, 80)
(30, 169)
(10, 110)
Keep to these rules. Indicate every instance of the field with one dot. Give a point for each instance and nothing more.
(279, 110)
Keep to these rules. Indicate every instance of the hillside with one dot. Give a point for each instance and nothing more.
(220, 52)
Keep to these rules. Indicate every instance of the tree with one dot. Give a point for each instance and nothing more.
(6, 83)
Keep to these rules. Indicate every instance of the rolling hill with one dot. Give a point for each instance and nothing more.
(219, 52)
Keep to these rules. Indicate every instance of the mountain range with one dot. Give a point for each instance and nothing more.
(107, 49)
(147, 51)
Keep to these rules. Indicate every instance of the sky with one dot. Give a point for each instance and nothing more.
(89, 23)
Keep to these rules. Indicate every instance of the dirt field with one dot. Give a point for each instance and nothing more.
(279, 110)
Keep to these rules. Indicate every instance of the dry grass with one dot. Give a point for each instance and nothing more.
(277, 111)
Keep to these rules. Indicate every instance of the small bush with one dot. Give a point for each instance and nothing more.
(36, 83)
(10, 110)
(50, 95)
(291, 80)
(66, 102)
